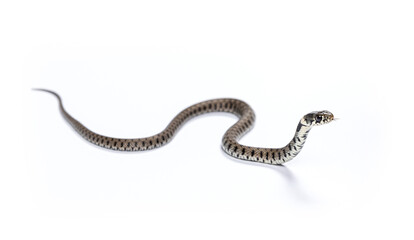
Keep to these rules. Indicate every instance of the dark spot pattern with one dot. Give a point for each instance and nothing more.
(230, 144)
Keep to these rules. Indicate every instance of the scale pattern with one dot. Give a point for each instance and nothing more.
(230, 139)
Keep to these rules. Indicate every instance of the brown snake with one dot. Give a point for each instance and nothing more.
(230, 139)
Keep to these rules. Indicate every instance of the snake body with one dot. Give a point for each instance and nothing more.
(230, 139)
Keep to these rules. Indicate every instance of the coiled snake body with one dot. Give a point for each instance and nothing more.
(230, 139)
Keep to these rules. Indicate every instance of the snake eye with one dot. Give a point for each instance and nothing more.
(318, 119)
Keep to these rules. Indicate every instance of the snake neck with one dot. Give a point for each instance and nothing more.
(274, 156)
(298, 141)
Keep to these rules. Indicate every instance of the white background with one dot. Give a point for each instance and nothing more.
(125, 68)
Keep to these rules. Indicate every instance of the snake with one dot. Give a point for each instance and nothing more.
(230, 141)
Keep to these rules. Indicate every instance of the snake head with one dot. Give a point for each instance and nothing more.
(317, 118)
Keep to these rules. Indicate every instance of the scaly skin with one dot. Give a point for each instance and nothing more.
(230, 139)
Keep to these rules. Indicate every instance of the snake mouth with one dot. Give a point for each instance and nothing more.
(331, 117)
